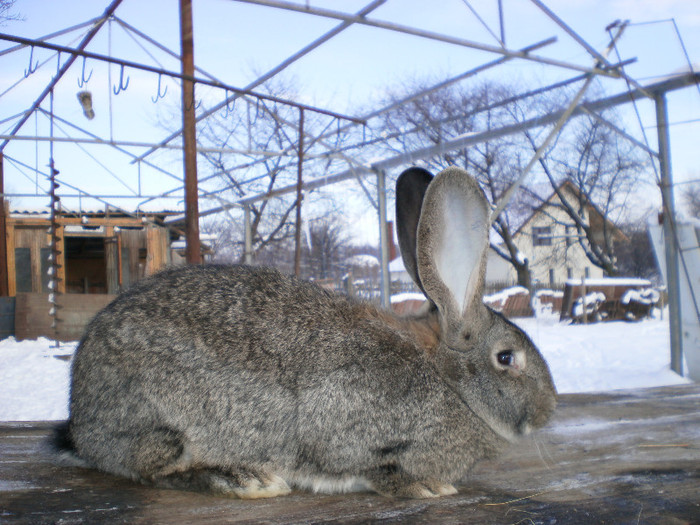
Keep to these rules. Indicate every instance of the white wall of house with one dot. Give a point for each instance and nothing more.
(549, 240)
(551, 247)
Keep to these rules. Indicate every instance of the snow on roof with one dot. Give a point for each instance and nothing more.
(504, 294)
(45, 212)
(407, 296)
(363, 260)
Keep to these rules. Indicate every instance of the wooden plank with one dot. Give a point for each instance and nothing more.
(11, 277)
(32, 318)
(157, 247)
(620, 457)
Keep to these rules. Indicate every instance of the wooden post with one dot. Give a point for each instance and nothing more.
(193, 252)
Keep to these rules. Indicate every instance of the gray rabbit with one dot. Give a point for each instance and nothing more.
(245, 381)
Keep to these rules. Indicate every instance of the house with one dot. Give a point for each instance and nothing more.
(97, 254)
(548, 238)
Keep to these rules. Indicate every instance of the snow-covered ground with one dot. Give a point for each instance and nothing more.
(34, 375)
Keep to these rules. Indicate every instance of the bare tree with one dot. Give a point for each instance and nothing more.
(691, 199)
(6, 12)
(325, 248)
(253, 149)
(603, 169)
(636, 257)
(454, 111)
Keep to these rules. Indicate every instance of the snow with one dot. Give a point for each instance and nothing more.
(34, 375)
(542, 307)
(610, 281)
(34, 380)
(362, 260)
(606, 356)
(648, 296)
(407, 296)
(502, 296)
(397, 265)
(592, 301)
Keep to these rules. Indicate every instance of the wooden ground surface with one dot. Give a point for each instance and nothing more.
(621, 457)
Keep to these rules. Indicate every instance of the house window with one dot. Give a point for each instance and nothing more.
(567, 233)
(542, 236)
(551, 276)
(587, 272)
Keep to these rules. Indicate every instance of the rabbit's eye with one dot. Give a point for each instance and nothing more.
(505, 358)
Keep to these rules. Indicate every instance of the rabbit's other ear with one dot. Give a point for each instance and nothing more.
(410, 190)
(452, 246)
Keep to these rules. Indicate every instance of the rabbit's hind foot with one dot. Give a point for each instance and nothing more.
(243, 483)
(394, 483)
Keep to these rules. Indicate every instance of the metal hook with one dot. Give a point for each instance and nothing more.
(232, 107)
(159, 95)
(196, 105)
(84, 80)
(33, 68)
(122, 85)
(257, 112)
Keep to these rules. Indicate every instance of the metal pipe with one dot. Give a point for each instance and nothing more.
(78, 52)
(590, 49)
(327, 13)
(52, 35)
(563, 119)
(671, 246)
(82, 195)
(116, 143)
(297, 228)
(383, 239)
(277, 69)
(467, 139)
(248, 236)
(622, 133)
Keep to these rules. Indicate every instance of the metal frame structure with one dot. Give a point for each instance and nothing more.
(307, 145)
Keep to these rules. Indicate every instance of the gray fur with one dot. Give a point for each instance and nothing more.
(243, 380)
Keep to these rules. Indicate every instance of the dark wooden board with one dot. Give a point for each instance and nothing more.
(620, 457)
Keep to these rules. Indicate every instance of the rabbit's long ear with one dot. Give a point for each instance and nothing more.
(452, 248)
(410, 190)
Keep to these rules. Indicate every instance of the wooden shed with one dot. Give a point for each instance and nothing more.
(97, 253)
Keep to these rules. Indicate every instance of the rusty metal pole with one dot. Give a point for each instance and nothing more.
(193, 252)
(4, 270)
(297, 230)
